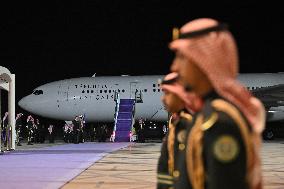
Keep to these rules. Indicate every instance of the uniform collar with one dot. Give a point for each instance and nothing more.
(207, 99)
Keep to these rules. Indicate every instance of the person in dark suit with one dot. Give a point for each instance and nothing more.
(76, 129)
(141, 131)
(19, 123)
(30, 123)
(51, 134)
(4, 129)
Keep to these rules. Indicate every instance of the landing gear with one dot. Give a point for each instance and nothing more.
(268, 134)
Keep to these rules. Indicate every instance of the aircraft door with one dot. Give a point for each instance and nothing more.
(135, 92)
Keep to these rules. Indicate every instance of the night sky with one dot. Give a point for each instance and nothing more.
(47, 41)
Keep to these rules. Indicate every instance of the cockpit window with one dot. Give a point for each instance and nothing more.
(38, 92)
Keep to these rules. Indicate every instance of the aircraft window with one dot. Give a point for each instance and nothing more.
(84, 86)
(123, 90)
(87, 91)
(154, 85)
(105, 91)
(92, 91)
(83, 91)
(158, 85)
(38, 92)
(81, 85)
(145, 90)
(88, 86)
(101, 91)
(154, 90)
(118, 90)
(93, 86)
(76, 86)
(159, 90)
(109, 91)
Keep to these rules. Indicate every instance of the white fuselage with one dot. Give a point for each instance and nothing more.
(94, 96)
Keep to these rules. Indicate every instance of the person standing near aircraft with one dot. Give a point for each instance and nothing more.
(222, 148)
(30, 123)
(175, 100)
(51, 134)
(36, 131)
(82, 132)
(4, 129)
(76, 129)
(18, 128)
(65, 132)
(41, 131)
(103, 133)
(92, 132)
(141, 131)
(70, 133)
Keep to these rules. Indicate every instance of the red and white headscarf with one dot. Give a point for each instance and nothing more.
(215, 54)
(191, 101)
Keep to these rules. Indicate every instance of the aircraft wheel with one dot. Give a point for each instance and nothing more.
(268, 134)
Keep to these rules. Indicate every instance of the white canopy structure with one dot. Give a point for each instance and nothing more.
(7, 82)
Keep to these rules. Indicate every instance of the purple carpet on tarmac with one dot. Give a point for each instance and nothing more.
(50, 167)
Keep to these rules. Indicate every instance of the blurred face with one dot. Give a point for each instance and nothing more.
(189, 73)
(172, 103)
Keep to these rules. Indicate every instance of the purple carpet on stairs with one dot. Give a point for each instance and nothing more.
(50, 167)
(124, 120)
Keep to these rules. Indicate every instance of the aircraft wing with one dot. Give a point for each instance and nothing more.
(270, 96)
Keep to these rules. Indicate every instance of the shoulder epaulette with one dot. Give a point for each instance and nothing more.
(230, 110)
(210, 121)
(187, 116)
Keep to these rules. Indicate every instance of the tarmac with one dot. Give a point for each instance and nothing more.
(134, 167)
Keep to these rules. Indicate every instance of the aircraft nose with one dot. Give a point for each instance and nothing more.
(23, 103)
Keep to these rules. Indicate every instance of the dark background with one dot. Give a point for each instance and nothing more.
(45, 41)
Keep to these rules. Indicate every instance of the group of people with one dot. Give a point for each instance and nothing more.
(215, 127)
(75, 131)
(6, 130)
(36, 131)
(31, 128)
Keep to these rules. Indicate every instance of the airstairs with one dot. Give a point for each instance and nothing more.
(124, 120)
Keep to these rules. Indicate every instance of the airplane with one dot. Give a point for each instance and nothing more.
(95, 97)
